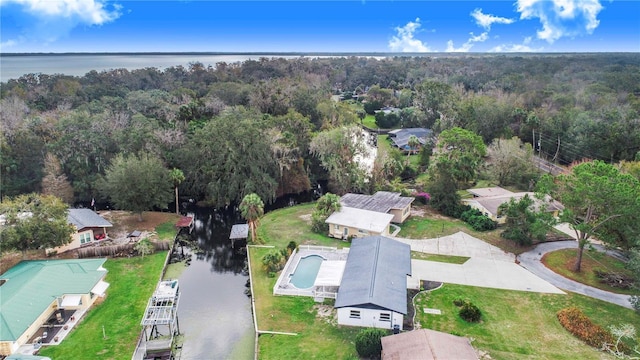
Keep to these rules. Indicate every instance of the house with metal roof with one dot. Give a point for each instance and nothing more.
(382, 201)
(350, 222)
(400, 137)
(90, 228)
(373, 290)
(488, 201)
(38, 298)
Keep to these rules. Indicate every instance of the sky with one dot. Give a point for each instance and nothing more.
(54, 26)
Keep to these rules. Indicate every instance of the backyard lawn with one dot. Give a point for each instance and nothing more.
(132, 281)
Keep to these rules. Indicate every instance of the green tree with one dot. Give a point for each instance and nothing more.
(273, 261)
(55, 181)
(369, 343)
(177, 177)
(144, 247)
(595, 196)
(252, 209)
(326, 205)
(462, 152)
(338, 150)
(511, 162)
(33, 221)
(137, 183)
(413, 143)
(525, 221)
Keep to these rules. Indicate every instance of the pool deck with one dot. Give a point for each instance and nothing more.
(283, 285)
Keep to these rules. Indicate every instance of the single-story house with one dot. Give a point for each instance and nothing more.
(488, 201)
(352, 222)
(33, 291)
(90, 228)
(373, 289)
(425, 344)
(400, 137)
(381, 201)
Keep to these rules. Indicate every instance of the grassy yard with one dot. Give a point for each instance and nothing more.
(132, 282)
(562, 262)
(449, 259)
(518, 324)
(370, 122)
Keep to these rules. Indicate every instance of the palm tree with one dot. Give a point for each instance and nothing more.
(413, 143)
(252, 208)
(177, 176)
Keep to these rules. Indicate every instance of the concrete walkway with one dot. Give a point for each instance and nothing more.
(530, 260)
(488, 265)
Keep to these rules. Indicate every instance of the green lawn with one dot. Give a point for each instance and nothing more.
(132, 283)
(370, 122)
(449, 259)
(518, 324)
(562, 262)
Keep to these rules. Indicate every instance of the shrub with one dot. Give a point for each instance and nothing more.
(291, 246)
(470, 312)
(477, 220)
(422, 197)
(458, 302)
(318, 225)
(368, 343)
(273, 261)
(578, 324)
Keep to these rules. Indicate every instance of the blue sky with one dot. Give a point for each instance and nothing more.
(319, 26)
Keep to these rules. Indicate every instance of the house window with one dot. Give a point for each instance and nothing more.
(385, 317)
(405, 211)
(364, 232)
(85, 237)
(336, 227)
(354, 314)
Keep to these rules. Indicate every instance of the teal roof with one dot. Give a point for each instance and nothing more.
(31, 286)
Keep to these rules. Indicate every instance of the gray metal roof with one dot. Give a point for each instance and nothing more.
(239, 231)
(375, 275)
(84, 218)
(400, 137)
(381, 201)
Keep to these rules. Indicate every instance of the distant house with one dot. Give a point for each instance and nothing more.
(352, 222)
(400, 137)
(381, 201)
(33, 292)
(90, 228)
(425, 344)
(488, 201)
(373, 289)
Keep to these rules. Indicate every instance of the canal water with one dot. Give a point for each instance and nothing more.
(215, 313)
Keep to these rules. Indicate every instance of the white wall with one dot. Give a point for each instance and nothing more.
(369, 318)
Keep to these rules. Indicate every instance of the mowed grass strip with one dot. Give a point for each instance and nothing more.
(563, 262)
(132, 281)
(519, 324)
(449, 259)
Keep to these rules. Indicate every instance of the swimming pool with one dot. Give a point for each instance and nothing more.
(306, 271)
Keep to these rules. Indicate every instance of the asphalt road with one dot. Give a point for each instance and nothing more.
(530, 260)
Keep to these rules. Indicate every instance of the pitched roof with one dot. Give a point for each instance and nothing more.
(239, 231)
(376, 274)
(426, 344)
(360, 219)
(489, 191)
(381, 201)
(492, 203)
(400, 137)
(31, 286)
(84, 218)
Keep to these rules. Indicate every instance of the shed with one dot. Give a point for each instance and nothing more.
(352, 222)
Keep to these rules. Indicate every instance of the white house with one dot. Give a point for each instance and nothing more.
(90, 227)
(382, 201)
(373, 290)
(352, 222)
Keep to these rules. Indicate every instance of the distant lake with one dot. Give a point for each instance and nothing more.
(14, 66)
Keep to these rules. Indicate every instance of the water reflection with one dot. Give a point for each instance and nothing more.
(214, 313)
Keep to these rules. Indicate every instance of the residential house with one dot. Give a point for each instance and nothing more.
(33, 292)
(352, 222)
(381, 201)
(488, 201)
(373, 289)
(425, 344)
(400, 137)
(90, 228)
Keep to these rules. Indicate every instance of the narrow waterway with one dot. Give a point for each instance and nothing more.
(214, 312)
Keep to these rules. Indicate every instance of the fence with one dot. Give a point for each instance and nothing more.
(117, 250)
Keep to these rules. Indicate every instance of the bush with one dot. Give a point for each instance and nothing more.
(318, 225)
(368, 343)
(459, 302)
(422, 198)
(477, 220)
(470, 312)
(578, 324)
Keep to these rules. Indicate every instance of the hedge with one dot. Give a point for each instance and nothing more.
(578, 324)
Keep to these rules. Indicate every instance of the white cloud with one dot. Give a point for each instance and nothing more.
(486, 20)
(466, 47)
(404, 41)
(46, 21)
(561, 18)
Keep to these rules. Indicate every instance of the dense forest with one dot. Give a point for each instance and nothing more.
(273, 126)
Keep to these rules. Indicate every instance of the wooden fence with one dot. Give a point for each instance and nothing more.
(117, 250)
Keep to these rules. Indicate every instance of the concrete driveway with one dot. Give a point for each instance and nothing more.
(488, 265)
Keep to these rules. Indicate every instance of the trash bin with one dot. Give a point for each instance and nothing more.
(396, 329)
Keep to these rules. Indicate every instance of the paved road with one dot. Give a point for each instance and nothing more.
(530, 260)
